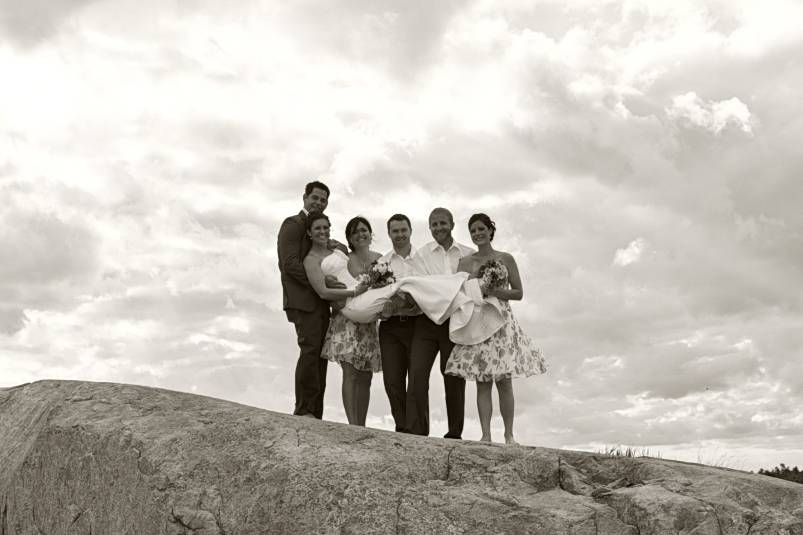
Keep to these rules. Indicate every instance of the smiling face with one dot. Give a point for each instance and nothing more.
(480, 233)
(399, 233)
(317, 200)
(441, 225)
(319, 232)
(360, 236)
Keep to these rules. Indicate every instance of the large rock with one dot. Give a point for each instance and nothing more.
(98, 458)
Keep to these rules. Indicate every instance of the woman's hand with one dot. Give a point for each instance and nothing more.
(495, 291)
(360, 289)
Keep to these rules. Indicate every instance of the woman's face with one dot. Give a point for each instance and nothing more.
(319, 231)
(480, 233)
(360, 236)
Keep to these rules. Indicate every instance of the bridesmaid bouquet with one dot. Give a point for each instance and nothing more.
(378, 275)
(492, 274)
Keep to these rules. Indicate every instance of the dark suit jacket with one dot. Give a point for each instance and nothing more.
(293, 246)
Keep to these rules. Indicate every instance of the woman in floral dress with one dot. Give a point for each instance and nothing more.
(509, 353)
(355, 346)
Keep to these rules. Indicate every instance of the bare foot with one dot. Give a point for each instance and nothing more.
(485, 438)
(510, 441)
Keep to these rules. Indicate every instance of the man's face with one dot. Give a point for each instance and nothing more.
(441, 227)
(316, 200)
(399, 233)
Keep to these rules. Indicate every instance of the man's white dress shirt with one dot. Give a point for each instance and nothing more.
(402, 266)
(433, 259)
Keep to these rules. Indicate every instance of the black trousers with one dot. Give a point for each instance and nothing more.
(310, 368)
(430, 339)
(395, 343)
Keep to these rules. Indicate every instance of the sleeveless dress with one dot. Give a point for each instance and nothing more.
(347, 341)
(507, 354)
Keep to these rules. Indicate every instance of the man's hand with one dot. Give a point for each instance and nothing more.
(387, 310)
(337, 306)
(332, 282)
(334, 244)
(404, 304)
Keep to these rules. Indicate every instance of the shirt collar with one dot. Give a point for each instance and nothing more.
(434, 245)
(393, 253)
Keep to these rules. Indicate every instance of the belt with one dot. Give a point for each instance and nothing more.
(400, 319)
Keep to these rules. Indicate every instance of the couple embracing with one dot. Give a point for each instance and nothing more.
(443, 298)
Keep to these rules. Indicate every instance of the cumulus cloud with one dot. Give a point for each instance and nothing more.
(714, 115)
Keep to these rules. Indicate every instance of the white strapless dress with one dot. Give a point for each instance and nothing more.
(337, 265)
(441, 297)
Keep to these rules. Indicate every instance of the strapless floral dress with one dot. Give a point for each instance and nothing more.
(347, 341)
(508, 354)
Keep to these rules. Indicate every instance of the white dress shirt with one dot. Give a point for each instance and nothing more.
(402, 266)
(433, 259)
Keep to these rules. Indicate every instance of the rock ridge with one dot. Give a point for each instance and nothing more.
(103, 458)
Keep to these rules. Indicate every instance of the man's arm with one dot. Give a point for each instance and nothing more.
(291, 234)
(332, 282)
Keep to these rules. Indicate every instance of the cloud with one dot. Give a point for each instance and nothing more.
(401, 39)
(11, 320)
(632, 253)
(713, 116)
(48, 257)
(31, 22)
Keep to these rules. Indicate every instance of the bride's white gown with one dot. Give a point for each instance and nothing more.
(473, 318)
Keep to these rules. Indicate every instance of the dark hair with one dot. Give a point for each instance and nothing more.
(485, 220)
(316, 184)
(352, 224)
(399, 217)
(442, 211)
(314, 216)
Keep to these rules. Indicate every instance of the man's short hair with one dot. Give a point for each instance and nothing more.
(440, 210)
(399, 217)
(316, 184)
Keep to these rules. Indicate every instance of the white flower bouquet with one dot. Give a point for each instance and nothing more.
(378, 275)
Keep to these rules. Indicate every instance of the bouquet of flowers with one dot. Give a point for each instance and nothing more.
(492, 274)
(378, 275)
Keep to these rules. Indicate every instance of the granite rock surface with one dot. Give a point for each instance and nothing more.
(102, 458)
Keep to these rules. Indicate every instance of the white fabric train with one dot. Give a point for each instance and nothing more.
(473, 318)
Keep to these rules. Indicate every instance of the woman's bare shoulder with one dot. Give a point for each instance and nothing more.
(506, 257)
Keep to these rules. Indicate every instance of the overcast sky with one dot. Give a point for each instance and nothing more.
(641, 159)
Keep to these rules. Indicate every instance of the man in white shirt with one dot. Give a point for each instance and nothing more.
(439, 257)
(398, 321)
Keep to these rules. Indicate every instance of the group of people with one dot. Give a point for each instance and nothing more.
(323, 281)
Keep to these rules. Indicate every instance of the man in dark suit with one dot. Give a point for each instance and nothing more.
(304, 308)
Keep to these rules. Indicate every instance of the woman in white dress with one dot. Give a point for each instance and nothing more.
(508, 353)
(355, 346)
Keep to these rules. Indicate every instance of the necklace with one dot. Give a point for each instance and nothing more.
(363, 263)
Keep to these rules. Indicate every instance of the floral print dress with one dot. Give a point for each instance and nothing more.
(354, 343)
(508, 354)
(346, 341)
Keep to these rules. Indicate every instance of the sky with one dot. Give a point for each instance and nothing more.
(641, 160)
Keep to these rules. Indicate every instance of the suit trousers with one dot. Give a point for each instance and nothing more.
(395, 343)
(429, 339)
(310, 379)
